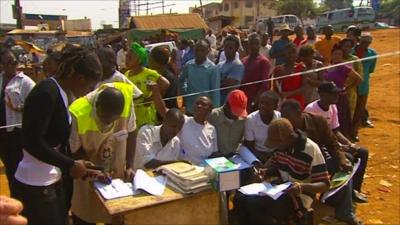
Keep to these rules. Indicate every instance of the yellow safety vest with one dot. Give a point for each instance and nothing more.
(82, 108)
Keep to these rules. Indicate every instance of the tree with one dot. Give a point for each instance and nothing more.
(300, 8)
(338, 4)
(390, 9)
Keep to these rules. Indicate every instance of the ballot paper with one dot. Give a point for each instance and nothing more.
(334, 188)
(117, 189)
(265, 188)
(152, 185)
(244, 159)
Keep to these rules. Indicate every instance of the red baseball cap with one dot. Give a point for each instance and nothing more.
(237, 100)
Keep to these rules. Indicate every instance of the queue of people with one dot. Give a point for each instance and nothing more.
(118, 111)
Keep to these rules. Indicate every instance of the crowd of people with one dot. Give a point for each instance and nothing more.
(108, 113)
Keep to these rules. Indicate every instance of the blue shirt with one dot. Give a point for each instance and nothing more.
(197, 78)
(233, 70)
(279, 46)
(189, 55)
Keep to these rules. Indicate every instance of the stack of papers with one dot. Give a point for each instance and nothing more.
(265, 188)
(117, 189)
(185, 178)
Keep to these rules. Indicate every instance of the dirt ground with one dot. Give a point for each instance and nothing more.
(383, 173)
(383, 141)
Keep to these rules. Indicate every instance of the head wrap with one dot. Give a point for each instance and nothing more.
(140, 52)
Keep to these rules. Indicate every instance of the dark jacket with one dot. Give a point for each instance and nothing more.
(45, 125)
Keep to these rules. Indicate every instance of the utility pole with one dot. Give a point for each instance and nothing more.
(18, 13)
(162, 2)
(147, 7)
(201, 8)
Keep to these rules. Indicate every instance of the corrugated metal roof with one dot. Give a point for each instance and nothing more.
(79, 34)
(20, 31)
(177, 21)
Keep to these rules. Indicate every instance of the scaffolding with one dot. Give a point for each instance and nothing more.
(138, 6)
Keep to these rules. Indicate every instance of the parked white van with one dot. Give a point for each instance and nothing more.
(340, 19)
(280, 20)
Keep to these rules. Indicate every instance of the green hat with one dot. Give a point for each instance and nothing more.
(140, 52)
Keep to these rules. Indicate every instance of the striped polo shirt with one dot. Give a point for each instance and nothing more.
(304, 163)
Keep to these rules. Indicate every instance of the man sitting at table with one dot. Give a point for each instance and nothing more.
(159, 145)
(257, 124)
(229, 121)
(198, 137)
(296, 159)
(101, 123)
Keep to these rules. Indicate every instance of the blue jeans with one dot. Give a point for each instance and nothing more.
(343, 202)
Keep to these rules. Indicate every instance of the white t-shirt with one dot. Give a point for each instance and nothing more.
(198, 141)
(331, 115)
(121, 58)
(116, 77)
(119, 77)
(34, 172)
(148, 147)
(264, 50)
(213, 41)
(222, 56)
(15, 94)
(256, 130)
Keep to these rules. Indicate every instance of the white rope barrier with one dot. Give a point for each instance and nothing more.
(263, 81)
(285, 76)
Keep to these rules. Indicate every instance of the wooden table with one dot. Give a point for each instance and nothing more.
(170, 208)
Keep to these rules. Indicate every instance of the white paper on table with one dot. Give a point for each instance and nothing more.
(276, 191)
(116, 189)
(255, 188)
(152, 185)
(265, 189)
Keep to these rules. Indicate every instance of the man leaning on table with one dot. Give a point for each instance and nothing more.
(101, 123)
(308, 177)
(159, 145)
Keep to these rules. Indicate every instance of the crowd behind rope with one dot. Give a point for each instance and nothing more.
(105, 108)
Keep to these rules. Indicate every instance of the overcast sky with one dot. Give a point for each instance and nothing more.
(101, 12)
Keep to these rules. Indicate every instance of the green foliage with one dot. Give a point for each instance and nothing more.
(338, 4)
(390, 8)
(300, 8)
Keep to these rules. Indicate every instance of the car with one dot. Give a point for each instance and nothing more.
(341, 19)
(168, 44)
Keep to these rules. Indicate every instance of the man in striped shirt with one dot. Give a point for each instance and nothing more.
(297, 159)
(317, 129)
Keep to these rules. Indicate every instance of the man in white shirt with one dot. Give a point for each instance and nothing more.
(158, 145)
(198, 137)
(265, 47)
(257, 123)
(14, 88)
(211, 39)
(121, 55)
